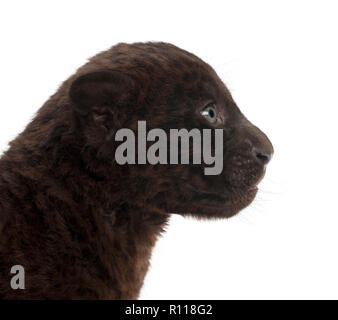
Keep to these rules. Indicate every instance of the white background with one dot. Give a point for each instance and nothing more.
(280, 60)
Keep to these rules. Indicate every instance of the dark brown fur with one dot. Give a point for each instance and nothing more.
(82, 226)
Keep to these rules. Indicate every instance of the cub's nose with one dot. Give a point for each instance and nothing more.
(263, 155)
(261, 148)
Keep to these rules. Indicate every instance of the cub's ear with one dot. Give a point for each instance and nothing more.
(98, 92)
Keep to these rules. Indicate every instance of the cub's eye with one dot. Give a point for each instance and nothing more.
(209, 112)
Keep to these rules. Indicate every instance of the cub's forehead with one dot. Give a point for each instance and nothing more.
(162, 69)
(157, 50)
(159, 58)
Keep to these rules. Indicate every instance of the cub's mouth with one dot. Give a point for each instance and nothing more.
(210, 204)
(232, 196)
